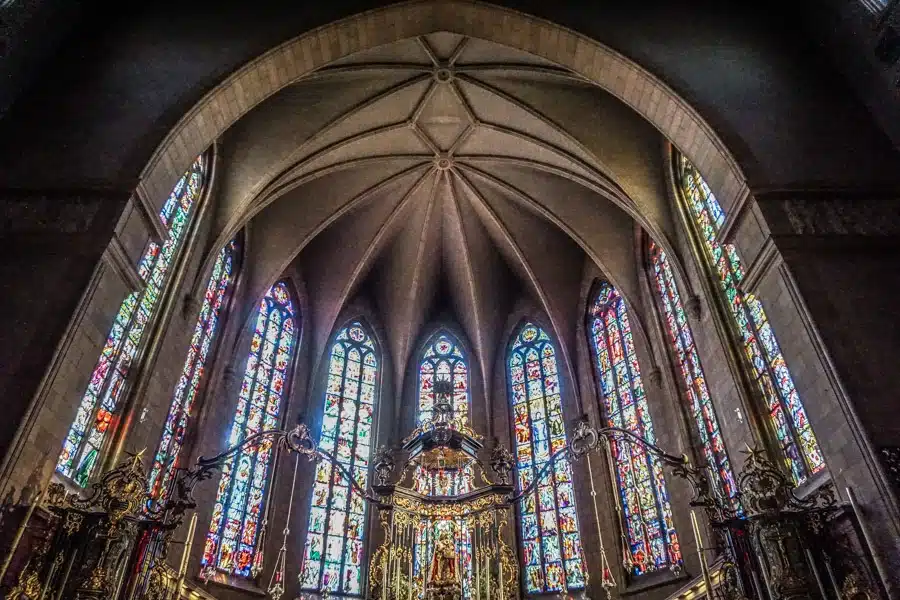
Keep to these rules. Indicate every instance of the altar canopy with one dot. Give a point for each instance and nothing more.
(447, 524)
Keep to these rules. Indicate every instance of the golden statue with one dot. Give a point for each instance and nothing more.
(443, 562)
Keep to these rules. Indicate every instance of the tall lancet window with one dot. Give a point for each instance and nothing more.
(232, 544)
(786, 412)
(337, 516)
(647, 515)
(188, 386)
(97, 412)
(551, 545)
(700, 402)
(443, 360)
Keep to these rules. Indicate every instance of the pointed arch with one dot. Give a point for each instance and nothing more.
(218, 291)
(553, 557)
(765, 360)
(681, 344)
(647, 514)
(443, 357)
(98, 410)
(333, 554)
(232, 542)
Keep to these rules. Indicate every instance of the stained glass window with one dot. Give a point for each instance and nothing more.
(97, 410)
(443, 360)
(337, 515)
(786, 412)
(551, 544)
(186, 389)
(232, 542)
(700, 403)
(652, 541)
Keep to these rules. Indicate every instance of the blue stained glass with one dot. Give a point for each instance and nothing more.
(232, 543)
(551, 545)
(787, 415)
(334, 561)
(702, 410)
(652, 541)
(180, 410)
(96, 413)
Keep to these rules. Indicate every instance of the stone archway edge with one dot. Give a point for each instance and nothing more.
(285, 64)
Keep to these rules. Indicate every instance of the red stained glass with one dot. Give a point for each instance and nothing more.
(652, 541)
(701, 408)
(794, 434)
(242, 488)
(554, 561)
(82, 444)
(336, 509)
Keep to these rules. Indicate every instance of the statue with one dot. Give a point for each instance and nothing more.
(443, 563)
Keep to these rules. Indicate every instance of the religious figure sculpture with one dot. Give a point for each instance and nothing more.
(443, 575)
(443, 563)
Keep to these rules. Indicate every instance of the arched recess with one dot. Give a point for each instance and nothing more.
(336, 530)
(595, 62)
(412, 386)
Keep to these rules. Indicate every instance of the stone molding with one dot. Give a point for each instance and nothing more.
(297, 58)
(831, 213)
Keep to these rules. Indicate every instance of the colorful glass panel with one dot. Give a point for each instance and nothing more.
(166, 457)
(551, 545)
(652, 541)
(786, 412)
(700, 402)
(425, 534)
(333, 556)
(443, 360)
(232, 542)
(97, 410)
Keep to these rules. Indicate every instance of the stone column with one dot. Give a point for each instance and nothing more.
(828, 273)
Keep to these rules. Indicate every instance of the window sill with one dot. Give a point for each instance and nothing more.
(232, 583)
(651, 581)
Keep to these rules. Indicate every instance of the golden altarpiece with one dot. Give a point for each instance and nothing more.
(447, 524)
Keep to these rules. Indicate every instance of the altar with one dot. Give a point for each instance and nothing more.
(447, 520)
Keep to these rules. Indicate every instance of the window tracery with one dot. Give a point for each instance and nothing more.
(186, 390)
(702, 411)
(443, 359)
(552, 551)
(97, 411)
(334, 544)
(232, 543)
(786, 412)
(649, 529)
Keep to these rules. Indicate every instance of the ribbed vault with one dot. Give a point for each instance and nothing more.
(443, 174)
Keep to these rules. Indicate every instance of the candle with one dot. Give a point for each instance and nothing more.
(698, 539)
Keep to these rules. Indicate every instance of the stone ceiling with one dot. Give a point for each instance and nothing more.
(442, 175)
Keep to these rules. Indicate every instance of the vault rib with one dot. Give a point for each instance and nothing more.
(371, 66)
(473, 293)
(291, 160)
(535, 113)
(429, 51)
(616, 196)
(457, 52)
(371, 252)
(522, 67)
(532, 276)
(414, 289)
(527, 200)
(351, 204)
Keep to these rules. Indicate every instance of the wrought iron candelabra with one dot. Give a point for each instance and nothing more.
(114, 542)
